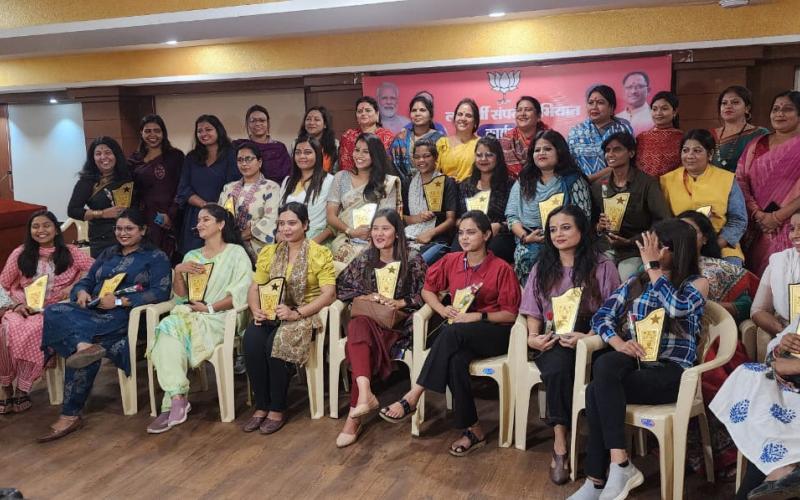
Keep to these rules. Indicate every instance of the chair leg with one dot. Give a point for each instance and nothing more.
(249, 392)
(127, 389)
(419, 416)
(665, 460)
(335, 365)
(55, 382)
(573, 444)
(448, 399)
(521, 406)
(542, 402)
(203, 373)
(762, 340)
(506, 402)
(708, 452)
(740, 466)
(314, 380)
(641, 442)
(151, 388)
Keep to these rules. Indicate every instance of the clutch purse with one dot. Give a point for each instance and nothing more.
(385, 316)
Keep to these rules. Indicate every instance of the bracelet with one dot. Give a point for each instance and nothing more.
(210, 308)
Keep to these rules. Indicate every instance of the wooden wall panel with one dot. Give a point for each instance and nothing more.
(6, 179)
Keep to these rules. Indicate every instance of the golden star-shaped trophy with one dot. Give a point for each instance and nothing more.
(705, 210)
(565, 310)
(362, 216)
(614, 208)
(110, 285)
(35, 293)
(794, 301)
(198, 283)
(434, 193)
(386, 278)
(122, 195)
(230, 205)
(648, 333)
(548, 205)
(479, 202)
(270, 294)
(463, 298)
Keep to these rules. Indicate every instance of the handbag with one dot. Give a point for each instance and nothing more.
(385, 316)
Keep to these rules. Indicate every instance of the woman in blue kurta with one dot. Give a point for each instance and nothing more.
(208, 167)
(84, 334)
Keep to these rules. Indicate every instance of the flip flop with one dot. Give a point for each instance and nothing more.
(407, 410)
(474, 444)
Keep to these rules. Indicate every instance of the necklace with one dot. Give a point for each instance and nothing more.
(731, 151)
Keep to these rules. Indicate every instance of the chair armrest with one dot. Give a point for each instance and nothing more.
(518, 343)
(153, 313)
(420, 322)
(583, 357)
(335, 314)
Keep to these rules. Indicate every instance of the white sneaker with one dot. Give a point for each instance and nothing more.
(621, 480)
(586, 492)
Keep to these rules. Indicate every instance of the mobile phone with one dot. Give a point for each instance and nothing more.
(772, 207)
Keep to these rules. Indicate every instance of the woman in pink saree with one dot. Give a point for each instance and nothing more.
(769, 175)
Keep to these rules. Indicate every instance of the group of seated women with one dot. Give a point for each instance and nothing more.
(599, 211)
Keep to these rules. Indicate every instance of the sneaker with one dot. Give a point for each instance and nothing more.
(239, 367)
(160, 424)
(586, 492)
(621, 480)
(179, 412)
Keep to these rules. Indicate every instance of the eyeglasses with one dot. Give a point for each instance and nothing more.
(423, 156)
(245, 159)
(125, 229)
(487, 156)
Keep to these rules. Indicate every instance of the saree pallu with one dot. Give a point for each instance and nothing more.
(729, 151)
(768, 174)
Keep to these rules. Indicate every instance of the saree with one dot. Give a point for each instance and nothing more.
(768, 175)
(729, 150)
(350, 198)
(456, 161)
(402, 149)
(97, 195)
(201, 333)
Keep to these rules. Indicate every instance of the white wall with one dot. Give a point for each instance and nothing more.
(47, 150)
(286, 109)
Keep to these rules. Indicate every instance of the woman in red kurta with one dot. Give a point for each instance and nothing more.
(368, 121)
(43, 254)
(658, 150)
(478, 331)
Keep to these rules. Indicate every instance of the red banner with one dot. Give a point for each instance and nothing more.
(560, 88)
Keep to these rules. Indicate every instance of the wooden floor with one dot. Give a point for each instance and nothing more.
(113, 456)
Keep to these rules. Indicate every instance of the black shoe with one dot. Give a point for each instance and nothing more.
(786, 487)
(10, 494)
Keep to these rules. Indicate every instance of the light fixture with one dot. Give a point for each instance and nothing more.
(53, 100)
(171, 42)
(497, 14)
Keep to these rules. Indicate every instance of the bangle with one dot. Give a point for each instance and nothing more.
(297, 310)
(210, 308)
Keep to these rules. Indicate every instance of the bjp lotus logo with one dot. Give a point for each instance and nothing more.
(504, 82)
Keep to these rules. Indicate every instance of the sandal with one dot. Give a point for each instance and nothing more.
(407, 410)
(6, 406)
(474, 444)
(22, 403)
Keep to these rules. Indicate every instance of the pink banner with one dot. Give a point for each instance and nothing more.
(561, 89)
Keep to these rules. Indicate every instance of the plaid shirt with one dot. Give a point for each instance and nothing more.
(684, 306)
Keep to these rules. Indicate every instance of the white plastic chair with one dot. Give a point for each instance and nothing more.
(497, 367)
(339, 317)
(221, 358)
(80, 225)
(669, 422)
(755, 340)
(127, 384)
(526, 376)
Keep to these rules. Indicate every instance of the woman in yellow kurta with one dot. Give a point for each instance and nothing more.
(271, 347)
(189, 335)
(698, 185)
(457, 152)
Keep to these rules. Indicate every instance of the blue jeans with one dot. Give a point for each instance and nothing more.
(433, 252)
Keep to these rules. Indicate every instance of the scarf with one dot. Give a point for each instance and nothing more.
(417, 204)
(293, 338)
(244, 202)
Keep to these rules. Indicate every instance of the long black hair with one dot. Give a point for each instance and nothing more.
(672, 100)
(627, 141)
(399, 248)
(317, 176)
(500, 174)
(90, 170)
(230, 233)
(711, 247)
(328, 138)
(476, 113)
(375, 189)
(744, 94)
(587, 255)
(531, 174)
(28, 260)
(681, 238)
(299, 209)
(199, 153)
(165, 144)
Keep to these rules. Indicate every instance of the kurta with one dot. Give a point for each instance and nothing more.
(155, 184)
(22, 337)
(586, 141)
(348, 143)
(658, 151)
(716, 188)
(456, 161)
(275, 161)
(207, 183)
(320, 269)
(89, 194)
(256, 207)
(317, 207)
(200, 333)
(67, 324)
(515, 148)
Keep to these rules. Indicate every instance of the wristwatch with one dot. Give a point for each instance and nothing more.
(484, 316)
(653, 264)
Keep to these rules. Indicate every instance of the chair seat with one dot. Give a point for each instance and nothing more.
(488, 366)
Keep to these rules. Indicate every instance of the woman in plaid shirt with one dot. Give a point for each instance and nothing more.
(671, 282)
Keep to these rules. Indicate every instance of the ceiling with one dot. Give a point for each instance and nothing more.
(291, 18)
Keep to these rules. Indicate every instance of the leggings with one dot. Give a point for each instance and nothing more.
(269, 377)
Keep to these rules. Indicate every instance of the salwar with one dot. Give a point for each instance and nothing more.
(269, 377)
(23, 371)
(78, 383)
(447, 364)
(171, 363)
(557, 367)
(617, 382)
(368, 349)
